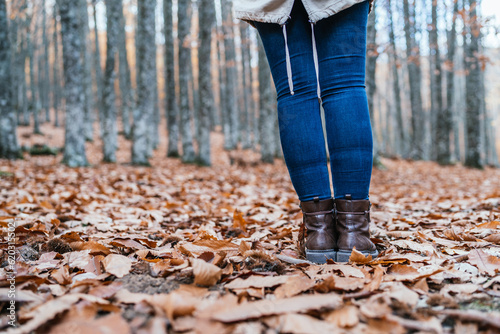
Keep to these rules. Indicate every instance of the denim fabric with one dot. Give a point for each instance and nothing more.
(341, 49)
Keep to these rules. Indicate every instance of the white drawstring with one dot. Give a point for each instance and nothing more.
(288, 62)
(315, 56)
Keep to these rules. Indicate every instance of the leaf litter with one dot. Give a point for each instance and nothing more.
(184, 249)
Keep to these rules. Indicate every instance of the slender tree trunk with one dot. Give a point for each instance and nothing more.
(246, 133)
(266, 103)
(110, 133)
(450, 75)
(98, 78)
(172, 111)
(231, 76)
(415, 77)
(473, 96)
(188, 154)
(127, 99)
(45, 89)
(371, 86)
(154, 123)
(206, 16)
(55, 74)
(145, 36)
(87, 68)
(8, 124)
(223, 115)
(401, 140)
(74, 143)
(34, 101)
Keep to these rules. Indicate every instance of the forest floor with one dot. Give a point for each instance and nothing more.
(114, 248)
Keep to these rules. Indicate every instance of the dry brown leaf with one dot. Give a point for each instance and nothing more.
(333, 282)
(376, 279)
(117, 264)
(299, 324)
(255, 281)
(261, 308)
(112, 323)
(486, 263)
(358, 257)
(293, 286)
(239, 221)
(346, 316)
(205, 274)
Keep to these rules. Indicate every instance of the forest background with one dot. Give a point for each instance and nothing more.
(432, 84)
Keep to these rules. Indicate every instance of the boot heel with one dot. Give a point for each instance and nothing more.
(320, 256)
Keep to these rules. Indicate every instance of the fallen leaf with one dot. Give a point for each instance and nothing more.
(255, 281)
(205, 274)
(117, 264)
(293, 286)
(346, 316)
(486, 263)
(358, 257)
(261, 308)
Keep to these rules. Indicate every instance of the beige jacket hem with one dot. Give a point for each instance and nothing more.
(278, 11)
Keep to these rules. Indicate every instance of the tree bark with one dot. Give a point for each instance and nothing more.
(74, 143)
(97, 70)
(172, 109)
(473, 98)
(266, 110)
(206, 16)
(8, 124)
(371, 85)
(145, 36)
(401, 140)
(232, 112)
(127, 99)
(56, 100)
(87, 68)
(415, 78)
(45, 90)
(450, 74)
(247, 119)
(34, 99)
(110, 133)
(188, 154)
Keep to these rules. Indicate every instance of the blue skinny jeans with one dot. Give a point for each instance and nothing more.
(340, 45)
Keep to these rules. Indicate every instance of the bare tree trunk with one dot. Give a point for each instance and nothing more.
(188, 154)
(46, 82)
(450, 75)
(145, 37)
(231, 79)
(371, 86)
(415, 77)
(246, 128)
(74, 143)
(8, 124)
(473, 96)
(55, 74)
(154, 123)
(110, 133)
(206, 16)
(34, 101)
(266, 103)
(87, 68)
(401, 140)
(172, 109)
(127, 99)
(223, 114)
(98, 84)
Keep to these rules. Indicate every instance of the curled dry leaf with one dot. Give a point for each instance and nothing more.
(293, 286)
(205, 274)
(486, 263)
(346, 316)
(261, 308)
(300, 324)
(255, 281)
(358, 257)
(117, 264)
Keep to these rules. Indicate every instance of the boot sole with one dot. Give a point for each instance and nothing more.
(343, 256)
(320, 256)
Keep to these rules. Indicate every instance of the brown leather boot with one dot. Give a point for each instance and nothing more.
(318, 227)
(353, 221)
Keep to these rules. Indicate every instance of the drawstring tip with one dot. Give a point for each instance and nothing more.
(292, 92)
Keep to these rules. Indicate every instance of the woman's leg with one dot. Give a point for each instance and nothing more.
(299, 114)
(341, 47)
